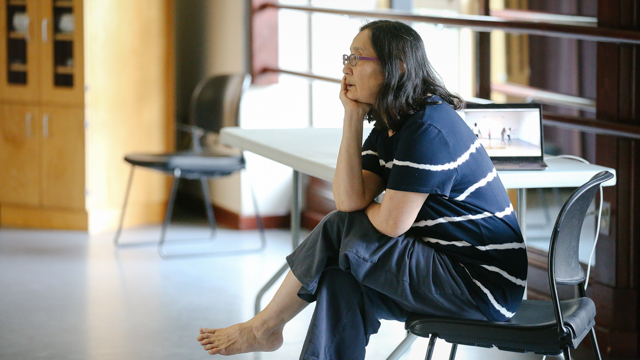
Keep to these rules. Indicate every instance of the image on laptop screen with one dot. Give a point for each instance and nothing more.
(510, 133)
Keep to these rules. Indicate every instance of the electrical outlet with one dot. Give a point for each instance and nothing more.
(605, 219)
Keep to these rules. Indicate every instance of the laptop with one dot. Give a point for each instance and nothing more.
(510, 133)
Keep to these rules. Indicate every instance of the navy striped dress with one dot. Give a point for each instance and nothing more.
(468, 215)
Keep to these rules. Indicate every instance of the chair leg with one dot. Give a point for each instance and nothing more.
(432, 344)
(594, 344)
(169, 212)
(208, 205)
(454, 349)
(403, 346)
(257, 306)
(212, 223)
(566, 353)
(124, 208)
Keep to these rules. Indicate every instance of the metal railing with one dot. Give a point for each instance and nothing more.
(488, 23)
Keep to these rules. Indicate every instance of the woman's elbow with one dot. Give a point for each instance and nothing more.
(393, 230)
(347, 206)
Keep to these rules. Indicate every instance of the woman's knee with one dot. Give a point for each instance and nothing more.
(333, 225)
(334, 217)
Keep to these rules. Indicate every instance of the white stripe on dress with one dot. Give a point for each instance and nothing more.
(388, 164)
(448, 219)
(462, 243)
(369, 152)
(506, 246)
(493, 301)
(445, 242)
(448, 166)
(492, 175)
(513, 279)
(506, 212)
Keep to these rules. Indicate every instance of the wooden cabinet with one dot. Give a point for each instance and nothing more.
(62, 52)
(42, 51)
(42, 156)
(20, 149)
(62, 183)
(82, 83)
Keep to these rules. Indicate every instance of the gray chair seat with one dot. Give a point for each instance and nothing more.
(528, 331)
(190, 163)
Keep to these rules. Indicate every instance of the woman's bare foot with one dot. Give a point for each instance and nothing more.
(264, 331)
(240, 338)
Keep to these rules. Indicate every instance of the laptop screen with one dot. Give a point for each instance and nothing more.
(507, 131)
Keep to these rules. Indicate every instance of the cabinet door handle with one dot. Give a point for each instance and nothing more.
(27, 123)
(45, 125)
(26, 35)
(45, 36)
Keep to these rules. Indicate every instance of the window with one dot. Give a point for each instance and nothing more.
(315, 42)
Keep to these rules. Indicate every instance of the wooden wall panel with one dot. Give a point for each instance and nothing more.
(615, 277)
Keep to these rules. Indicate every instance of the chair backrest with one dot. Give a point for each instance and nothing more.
(215, 102)
(564, 264)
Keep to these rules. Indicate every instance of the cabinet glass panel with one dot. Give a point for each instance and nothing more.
(63, 28)
(17, 37)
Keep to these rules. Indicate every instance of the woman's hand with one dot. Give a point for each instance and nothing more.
(350, 106)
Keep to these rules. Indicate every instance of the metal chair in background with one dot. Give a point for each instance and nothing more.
(215, 103)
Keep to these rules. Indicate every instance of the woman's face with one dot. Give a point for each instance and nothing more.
(365, 79)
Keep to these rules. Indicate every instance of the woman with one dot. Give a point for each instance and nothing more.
(444, 240)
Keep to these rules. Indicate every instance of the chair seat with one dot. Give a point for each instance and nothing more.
(532, 329)
(205, 163)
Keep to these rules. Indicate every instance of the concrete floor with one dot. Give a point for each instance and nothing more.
(68, 295)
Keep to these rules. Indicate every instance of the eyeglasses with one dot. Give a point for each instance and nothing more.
(353, 59)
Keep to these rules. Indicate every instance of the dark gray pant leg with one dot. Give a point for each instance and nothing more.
(404, 268)
(395, 276)
(338, 326)
(320, 248)
(345, 316)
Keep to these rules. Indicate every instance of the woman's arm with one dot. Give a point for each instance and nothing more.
(353, 188)
(397, 212)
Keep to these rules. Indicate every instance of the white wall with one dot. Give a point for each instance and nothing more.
(262, 107)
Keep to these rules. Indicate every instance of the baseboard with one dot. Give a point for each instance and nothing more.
(229, 219)
(43, 218)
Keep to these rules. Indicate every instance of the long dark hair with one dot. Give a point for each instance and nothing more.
(409, 78)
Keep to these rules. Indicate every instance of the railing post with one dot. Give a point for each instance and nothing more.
(483, 57)
(263, 42)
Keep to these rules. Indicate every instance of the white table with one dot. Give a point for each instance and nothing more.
(314, 151)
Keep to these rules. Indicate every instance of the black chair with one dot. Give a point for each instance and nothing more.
(542, 327)
(215, 103)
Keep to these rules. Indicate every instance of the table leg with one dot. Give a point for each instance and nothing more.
(521, 209)
(296, 212)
